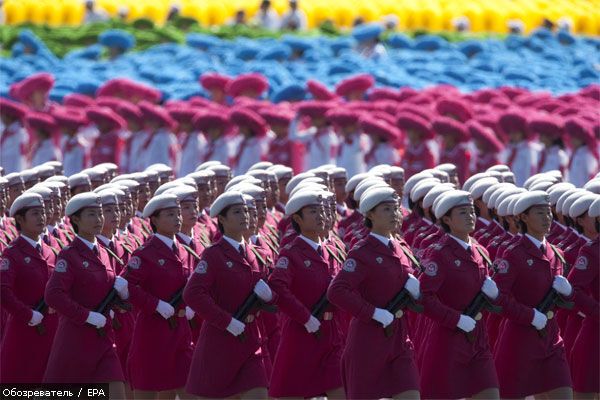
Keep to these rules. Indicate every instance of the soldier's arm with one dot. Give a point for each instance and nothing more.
(582, 275)
(432, 280)
(8, 298)
(57, 293)
(343, 290)
(505, 277)
(280, 282)
(137, 274)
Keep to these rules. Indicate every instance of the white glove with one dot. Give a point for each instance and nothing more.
(539, 320)
(189, 313)
(263, 291)
(384, 317)
(413, 286)
(112, 314)
(466, 323)
(36, 318)
(165, 309)
(236, 327)
(312, 325)
(489, 288)
(96, 319)
(121, 286)
(562, 285)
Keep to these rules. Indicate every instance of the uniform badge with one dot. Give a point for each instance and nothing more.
(4, 264)
(85, 264)
(307, 263)
(379, 260)
(431, 269)
(229, 264)
(581, 263)
(61, 266)
(530, 262)
(287, 246)
(161, 262)
(349, 265)
(457, 263)
(503, 266)
(283, 263)
(201, 267)
(27, 260)
(437, 246)
(134, 262)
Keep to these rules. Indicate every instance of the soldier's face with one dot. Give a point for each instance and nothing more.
(89, 222)
(461, 220)
(339, 188)
(112, 217)
(168, 221)
(204, 195)
(311, 219)
(49, 206)
(261, 212)
(282, 184)
(274, 193)
(252, 221)
(538, 220)
(385, 217)
(33, 222)
(235, 221)
(189, 213)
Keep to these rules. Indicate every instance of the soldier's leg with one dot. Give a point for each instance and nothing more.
(491, 393)
(408, 395)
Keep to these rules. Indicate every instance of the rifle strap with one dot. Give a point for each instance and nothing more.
(487, 260)
(114, 256)
(191, 251)
(412, 258)
(559, 256)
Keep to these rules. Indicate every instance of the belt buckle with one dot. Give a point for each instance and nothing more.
(181, 313)
(399, 314)
(327, 316)
(51, 310)
(249, 318)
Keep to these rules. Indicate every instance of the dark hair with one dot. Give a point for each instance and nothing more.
(559, 142)
(577, 225)
(22, 213)
(352, 204)
(445, 226)
(597, 225)
(505, 224)
(295, 225)
(223, 213)
(368, 223)
(477, 210)
(75, 214)
(522, 225)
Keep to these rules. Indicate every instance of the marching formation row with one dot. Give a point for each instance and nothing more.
(270, 283)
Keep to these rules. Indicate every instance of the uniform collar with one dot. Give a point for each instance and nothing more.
(536, 242)
(88, 243)
(462, 243)
(311, 243)
(254, 238)
(234, 243)
(382, 239)
(167, 241)
(32, 242)
(187, 239)
(104, 239)
(138, 214)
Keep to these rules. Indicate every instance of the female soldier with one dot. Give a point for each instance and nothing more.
(25, 267)
(160, 353)
(227, 359)
(454, 273)
(374, 365)
(530, 354)
(307, 363)
(82, 279)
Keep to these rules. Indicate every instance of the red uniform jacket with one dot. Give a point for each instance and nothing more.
(24, 272)
(81, 280)
(585, 354)
(453, 367)
(224, 365)
(305, 366)
(159, 357)
(527, 363)
(373, 365)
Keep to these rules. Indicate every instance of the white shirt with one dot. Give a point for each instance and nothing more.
(296, 19)
(192, 153)
(464, 245)
(382, 239)
(583, 166)
(311, 243)
(234, 243)
(320, 149)
(46, 151)
(187, 239)
(13, 147)
(267, 20)
(32, 242)
(104, 239)
(536, 242)
(88, 243)
(351, 156)
(167, 241)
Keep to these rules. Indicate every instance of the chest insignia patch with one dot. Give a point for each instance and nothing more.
(457, 263)
(530, 262)
(27, 260)
(379, 260)
(161, 262)
(85, 264)
(349, 265)
(229, 264)
(307, 263)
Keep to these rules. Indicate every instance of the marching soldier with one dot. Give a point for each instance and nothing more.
(160, 353)
(374, 365)
(25, 268)
(307, 363)
(529, 362)
(84, 348)
(456, 359)
(228, 360)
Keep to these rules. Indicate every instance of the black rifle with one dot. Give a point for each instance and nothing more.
(111, 300)
(41, 307)
(252, 301)
(552, 298)
(319, 309)
(481, 302)
(401, 301)
(175, 302)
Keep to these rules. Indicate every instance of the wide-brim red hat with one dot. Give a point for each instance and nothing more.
(105, 117)
(372, 126)
(38, 82)
(358, 83)
(485, 135)
(252, 82)
(246, 117)
(445, 126)
(406, 121)
(211, 81)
